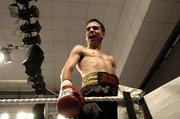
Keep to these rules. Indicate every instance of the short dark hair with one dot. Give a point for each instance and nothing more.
(100, 23)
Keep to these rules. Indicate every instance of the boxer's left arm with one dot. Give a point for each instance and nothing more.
(113, 64)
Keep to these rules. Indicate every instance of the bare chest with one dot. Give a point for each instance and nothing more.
(95, 59)
(98, 56)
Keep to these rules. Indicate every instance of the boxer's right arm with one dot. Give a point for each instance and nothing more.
(69, 98)
(71, 63)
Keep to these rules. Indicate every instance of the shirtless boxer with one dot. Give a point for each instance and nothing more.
(98, 78)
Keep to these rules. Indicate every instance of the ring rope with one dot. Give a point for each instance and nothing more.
(54, 100)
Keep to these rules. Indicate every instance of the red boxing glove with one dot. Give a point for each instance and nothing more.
(70, 100)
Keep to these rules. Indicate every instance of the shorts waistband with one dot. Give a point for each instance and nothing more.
(100, 78)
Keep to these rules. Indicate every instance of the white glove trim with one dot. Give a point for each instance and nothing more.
(66, 83)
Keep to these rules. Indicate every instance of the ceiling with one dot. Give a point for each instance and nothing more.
(136, 32)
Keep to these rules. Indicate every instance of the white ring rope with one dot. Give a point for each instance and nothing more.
(54, 100)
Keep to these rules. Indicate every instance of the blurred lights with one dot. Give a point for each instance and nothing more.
(30, 116)
(60, 117)
(1, 57)
(4, 116)
(23, 115)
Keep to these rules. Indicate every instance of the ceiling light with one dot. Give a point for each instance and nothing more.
(29, 13)
(23, 1)
(28, 28)
(29, 40)
(14, 10)
(24, 13)
(6, 55)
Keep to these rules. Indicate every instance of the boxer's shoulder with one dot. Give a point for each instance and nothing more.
(78, 49)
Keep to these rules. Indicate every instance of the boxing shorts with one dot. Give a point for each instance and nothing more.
(99, 84)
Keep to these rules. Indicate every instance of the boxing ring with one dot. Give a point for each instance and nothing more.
(54, 100)
(128, 100)
(162, 103)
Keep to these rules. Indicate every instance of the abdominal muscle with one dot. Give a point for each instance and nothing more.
(91, 64)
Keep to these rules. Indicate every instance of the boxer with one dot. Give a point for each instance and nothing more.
(98, 72)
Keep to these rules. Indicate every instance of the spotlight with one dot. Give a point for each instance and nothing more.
(28, 28)
(23, 1)
(6, 53)
(24, 13)
(28, 13)
(14, 10)
(33, 60)
(29, 40)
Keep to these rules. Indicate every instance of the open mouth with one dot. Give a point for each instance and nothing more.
(91, 35)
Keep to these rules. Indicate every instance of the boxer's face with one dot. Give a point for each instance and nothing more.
(94, 34)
